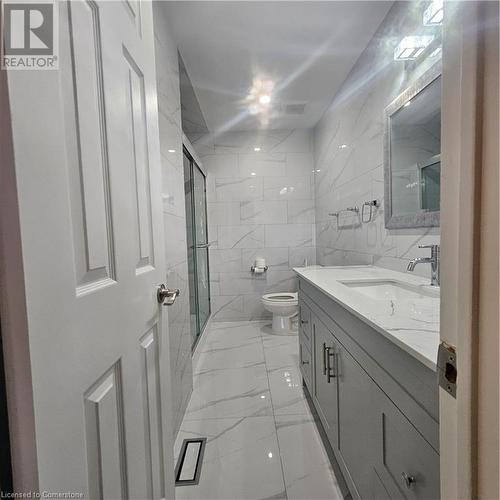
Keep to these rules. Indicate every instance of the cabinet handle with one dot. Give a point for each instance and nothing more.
(331, 372)
(409, 480)
(324, 358)
(305, 362)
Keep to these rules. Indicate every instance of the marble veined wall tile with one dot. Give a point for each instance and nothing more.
(260, 205)
(263, 212)
(174, 216)
(348, 155)
(288, 188)
(300, 211)
(247, 236)
(224, 213)
(238, 189)
(262, 164)
(291, 235)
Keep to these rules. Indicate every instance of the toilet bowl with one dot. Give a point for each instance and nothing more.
(283, 306)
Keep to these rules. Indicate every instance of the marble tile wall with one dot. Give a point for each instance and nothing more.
(174, 216)
(260, 204)
(349, 154)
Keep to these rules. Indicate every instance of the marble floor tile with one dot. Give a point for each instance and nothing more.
(248, 402)
(239, 392)
(237, 354)
(281, 351)
(287, 395)
(306, 466)
(241, 461)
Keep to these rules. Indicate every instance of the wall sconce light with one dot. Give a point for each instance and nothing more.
(410, 47)
(433, 15)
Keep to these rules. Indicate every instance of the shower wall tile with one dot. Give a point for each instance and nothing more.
(244, 236)
(288, 188)
(224, 213)
(348, 150)
(238, 188)
(174, 216)
(300, 212)
(262, 164)
(260, 205)
(291, 235)
(263, 212)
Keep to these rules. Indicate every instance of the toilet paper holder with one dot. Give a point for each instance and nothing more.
(254, 269)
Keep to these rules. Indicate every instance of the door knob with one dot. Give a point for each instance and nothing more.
(167, 296)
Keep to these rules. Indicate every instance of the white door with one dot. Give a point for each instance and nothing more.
(86, 151)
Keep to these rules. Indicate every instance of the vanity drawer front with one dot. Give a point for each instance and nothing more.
(305, 361)
(407, 464)
(305, 328)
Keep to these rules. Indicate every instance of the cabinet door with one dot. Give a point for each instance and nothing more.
(325, 380)
(305, 360)
(357, 428)
(305, 324)
(406, 463)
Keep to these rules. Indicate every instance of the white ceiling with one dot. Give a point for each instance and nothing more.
(307, 48)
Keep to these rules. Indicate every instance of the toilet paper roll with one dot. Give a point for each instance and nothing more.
(259, 262)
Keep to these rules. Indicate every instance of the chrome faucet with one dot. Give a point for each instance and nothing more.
(433, 260)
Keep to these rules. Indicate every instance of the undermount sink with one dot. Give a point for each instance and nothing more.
(391, 290)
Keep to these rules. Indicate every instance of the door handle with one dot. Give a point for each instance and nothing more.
(203, 245)
(167, 296)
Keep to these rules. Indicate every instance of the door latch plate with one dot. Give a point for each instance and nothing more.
(447, 368)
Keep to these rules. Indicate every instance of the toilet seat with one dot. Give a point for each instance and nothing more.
(282, 298)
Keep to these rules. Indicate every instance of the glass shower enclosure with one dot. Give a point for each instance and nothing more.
(197, 242)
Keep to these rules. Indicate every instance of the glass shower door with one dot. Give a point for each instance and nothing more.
(197, 241)
(201, 254)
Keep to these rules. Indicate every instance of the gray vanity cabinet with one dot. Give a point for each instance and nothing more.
(377, 404)
(325, 390)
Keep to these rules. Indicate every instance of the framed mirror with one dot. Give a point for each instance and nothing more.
(412, 156)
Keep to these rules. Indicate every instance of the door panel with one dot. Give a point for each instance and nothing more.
(151, 378)
(357, 429)
(92, 238)
(395, 462)
(136, 121)
(87, 147)
(106, 437)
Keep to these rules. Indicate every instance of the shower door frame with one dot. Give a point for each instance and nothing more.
(194, 164)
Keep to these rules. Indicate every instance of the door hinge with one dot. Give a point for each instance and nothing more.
(447, 368)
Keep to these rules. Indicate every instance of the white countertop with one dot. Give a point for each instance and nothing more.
(412, 324)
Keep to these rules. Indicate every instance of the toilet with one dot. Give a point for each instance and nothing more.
(284, 306)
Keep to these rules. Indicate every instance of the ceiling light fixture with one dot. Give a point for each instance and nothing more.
(410, 47)
(259, 98)
(433, 15)
(171, 150)
(256, 149)
(265, 99)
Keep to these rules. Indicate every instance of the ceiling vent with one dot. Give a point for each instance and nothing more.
(295, 109)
